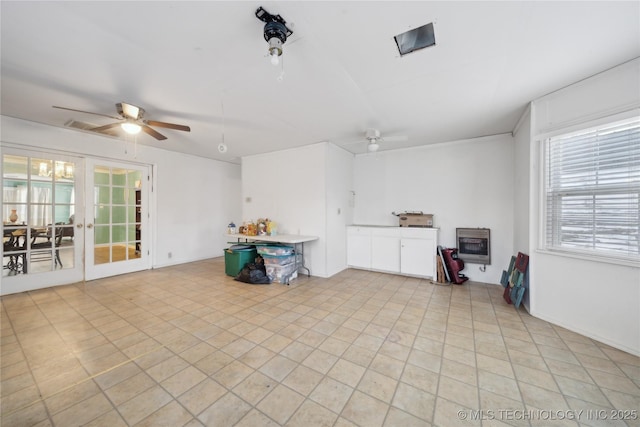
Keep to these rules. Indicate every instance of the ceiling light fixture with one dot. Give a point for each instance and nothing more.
(131, 127)
(275, 50)
(275, 33)
(60, 169)
(373, 136)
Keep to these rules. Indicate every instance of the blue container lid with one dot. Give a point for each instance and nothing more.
(241, 247)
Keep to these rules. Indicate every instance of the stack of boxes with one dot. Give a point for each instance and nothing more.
(279, 262)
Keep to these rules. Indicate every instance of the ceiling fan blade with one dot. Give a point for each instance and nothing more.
(359, 141)
(168, 125)
(87, 112)
(396, 138)
(105, 127)
(157, 135)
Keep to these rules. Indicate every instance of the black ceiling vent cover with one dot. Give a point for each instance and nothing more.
(416, 39)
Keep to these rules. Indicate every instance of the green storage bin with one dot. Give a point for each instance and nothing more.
(236, 257)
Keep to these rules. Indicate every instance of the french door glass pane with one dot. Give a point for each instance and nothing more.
(117, 207)
(38, 207)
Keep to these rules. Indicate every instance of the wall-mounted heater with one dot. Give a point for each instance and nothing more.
(474, 245)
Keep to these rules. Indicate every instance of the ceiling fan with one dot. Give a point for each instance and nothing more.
(131, 119)
(373, 138)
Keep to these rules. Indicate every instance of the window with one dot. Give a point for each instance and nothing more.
(592, 189)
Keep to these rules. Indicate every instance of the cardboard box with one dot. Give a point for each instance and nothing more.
(416, 220)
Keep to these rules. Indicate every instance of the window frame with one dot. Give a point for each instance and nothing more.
(543, 236)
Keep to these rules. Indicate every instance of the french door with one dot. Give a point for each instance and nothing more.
(66, 219)
(116, 218)
(43, 235)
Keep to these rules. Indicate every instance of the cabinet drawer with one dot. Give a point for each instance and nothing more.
(358, 231)
(419, 233)
(386, 232)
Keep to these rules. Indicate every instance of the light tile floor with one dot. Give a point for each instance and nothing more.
(188, 346)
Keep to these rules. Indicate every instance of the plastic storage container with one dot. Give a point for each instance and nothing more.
(278, 259)
(236, 257)
(275, 250)
(281, 273)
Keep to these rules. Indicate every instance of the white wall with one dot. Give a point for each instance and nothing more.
(522, 194)
(307, 191)
(597, 299)
(463, 184)
(194, 198)
(289, 188)
(339, 177)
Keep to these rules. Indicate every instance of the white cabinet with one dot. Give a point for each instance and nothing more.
(418, 251)
(359, 247)
(410, 251)
(385, 250)
(417, 257)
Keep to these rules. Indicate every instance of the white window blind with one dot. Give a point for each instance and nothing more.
(592, 185)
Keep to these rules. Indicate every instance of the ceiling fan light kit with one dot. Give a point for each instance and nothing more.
(372, 135)
(131, 127)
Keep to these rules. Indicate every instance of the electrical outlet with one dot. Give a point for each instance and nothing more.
(169, 255)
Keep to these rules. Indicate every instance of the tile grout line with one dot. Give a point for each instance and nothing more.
(91, 377)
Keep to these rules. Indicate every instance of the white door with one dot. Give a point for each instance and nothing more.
(117, 231)
(43, 237)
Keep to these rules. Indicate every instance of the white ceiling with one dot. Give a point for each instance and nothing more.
(205, 65)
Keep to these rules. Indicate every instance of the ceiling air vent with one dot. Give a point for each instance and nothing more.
(416, 39)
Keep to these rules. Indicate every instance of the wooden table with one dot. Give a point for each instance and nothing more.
(17, 250)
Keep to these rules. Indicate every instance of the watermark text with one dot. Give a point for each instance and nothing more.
(547, 415)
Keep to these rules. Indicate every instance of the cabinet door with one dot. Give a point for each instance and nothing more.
(385, 253)
(359, 248)
(417, 257)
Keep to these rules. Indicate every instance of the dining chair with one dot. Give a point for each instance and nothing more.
(41, 245)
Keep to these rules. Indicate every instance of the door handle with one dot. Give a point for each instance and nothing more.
(79, 225)
(89, 225)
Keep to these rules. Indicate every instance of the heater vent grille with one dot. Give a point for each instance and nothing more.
(474, 245)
